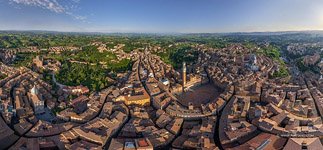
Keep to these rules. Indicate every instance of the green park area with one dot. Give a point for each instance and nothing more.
(177, 55)
(24, 59)
(73, 74)
(91, 54)
(91, 73)
(2, 76)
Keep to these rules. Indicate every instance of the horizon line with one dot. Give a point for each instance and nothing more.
(102, 32)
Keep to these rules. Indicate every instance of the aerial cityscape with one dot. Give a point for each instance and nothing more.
(168, 75)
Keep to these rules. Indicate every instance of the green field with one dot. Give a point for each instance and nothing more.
(2, 76)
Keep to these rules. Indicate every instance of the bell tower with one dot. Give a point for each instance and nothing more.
(184, 75)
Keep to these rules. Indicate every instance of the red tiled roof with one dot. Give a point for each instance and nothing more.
(142, 143)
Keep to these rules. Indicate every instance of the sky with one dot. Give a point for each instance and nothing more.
(161, 16)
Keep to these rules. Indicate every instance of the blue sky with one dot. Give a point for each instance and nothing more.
(184, 16)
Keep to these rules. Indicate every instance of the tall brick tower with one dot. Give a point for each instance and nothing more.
(184, 76)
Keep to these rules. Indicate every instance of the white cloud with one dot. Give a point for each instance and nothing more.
(76, 1)
(77, 17)
(52, 5)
